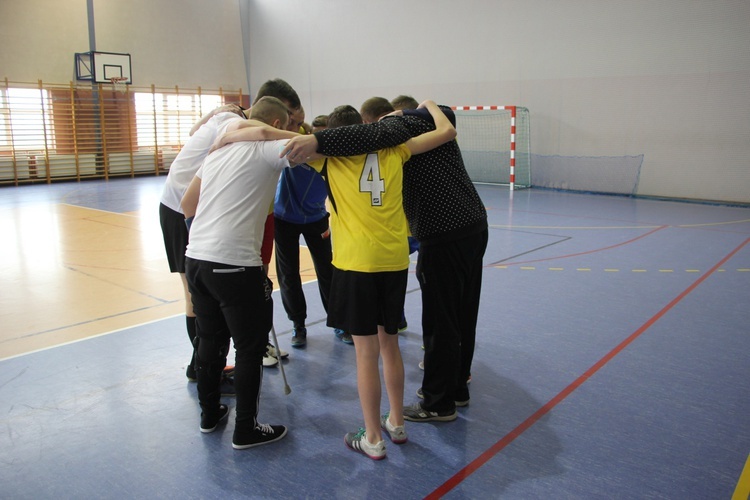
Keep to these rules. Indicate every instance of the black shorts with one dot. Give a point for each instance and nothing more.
(175, 234)
(359, 302)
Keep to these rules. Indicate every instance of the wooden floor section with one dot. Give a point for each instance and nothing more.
(73, 272)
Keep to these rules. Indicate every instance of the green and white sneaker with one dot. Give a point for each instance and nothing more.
(358, 442)
(396, 433)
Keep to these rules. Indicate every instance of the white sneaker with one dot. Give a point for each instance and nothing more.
(270, 358)
(358, 442)
(272, 351)
(396, 433)
(269, 361)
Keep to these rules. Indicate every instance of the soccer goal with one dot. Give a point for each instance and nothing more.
(494, 142)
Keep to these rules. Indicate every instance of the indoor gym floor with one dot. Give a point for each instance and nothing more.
(612, 361)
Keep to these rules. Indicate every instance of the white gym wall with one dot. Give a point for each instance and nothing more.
(189, 43)
(668, 80)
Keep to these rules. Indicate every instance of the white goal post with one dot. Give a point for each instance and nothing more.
(494, 142)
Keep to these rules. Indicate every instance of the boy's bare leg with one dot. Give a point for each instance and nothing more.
(189, 325)
(393, 373)
(368, 383)
(188, 301)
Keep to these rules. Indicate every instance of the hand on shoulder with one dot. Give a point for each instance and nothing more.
(299, 148)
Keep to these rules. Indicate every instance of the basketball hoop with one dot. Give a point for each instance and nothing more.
(118, 83)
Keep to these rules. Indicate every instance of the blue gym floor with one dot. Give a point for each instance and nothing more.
(612, 361)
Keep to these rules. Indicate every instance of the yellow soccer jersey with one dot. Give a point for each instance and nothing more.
(368, 225)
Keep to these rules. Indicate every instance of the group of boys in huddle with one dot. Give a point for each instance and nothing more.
(388, 175)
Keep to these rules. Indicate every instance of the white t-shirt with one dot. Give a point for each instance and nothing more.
(238, 183)
(191, 156)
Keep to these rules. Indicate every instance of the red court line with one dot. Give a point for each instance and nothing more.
(482, 459)
(587, 252)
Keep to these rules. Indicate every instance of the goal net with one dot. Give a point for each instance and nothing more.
(494, 142)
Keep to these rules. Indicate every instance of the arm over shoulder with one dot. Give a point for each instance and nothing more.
(360, 139)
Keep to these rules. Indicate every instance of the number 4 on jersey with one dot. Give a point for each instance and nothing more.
(371, 182)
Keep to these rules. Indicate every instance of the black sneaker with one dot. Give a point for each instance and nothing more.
(263, 434)
(461, 404)
(209, 423)
(415, 413)
(299, 337)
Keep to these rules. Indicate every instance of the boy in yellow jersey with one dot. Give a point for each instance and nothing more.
(372, 110)
(370, 269)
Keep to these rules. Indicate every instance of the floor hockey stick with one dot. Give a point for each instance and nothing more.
(287, 389)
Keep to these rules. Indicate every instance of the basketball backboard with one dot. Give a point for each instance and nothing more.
(101, 67)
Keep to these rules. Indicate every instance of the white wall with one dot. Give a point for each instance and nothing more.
(189, 43)
(666, 79)
(38, 39)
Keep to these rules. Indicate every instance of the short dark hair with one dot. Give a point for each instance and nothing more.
(267, 109)
(404, 102)
(344, 115)
(320, 121)
(375, 107)
(279, 89)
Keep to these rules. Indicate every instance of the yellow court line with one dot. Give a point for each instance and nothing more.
(616, 270)
(715, 223)
(705, 224)
(136, 214)
(742, 491)
(513, 226)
